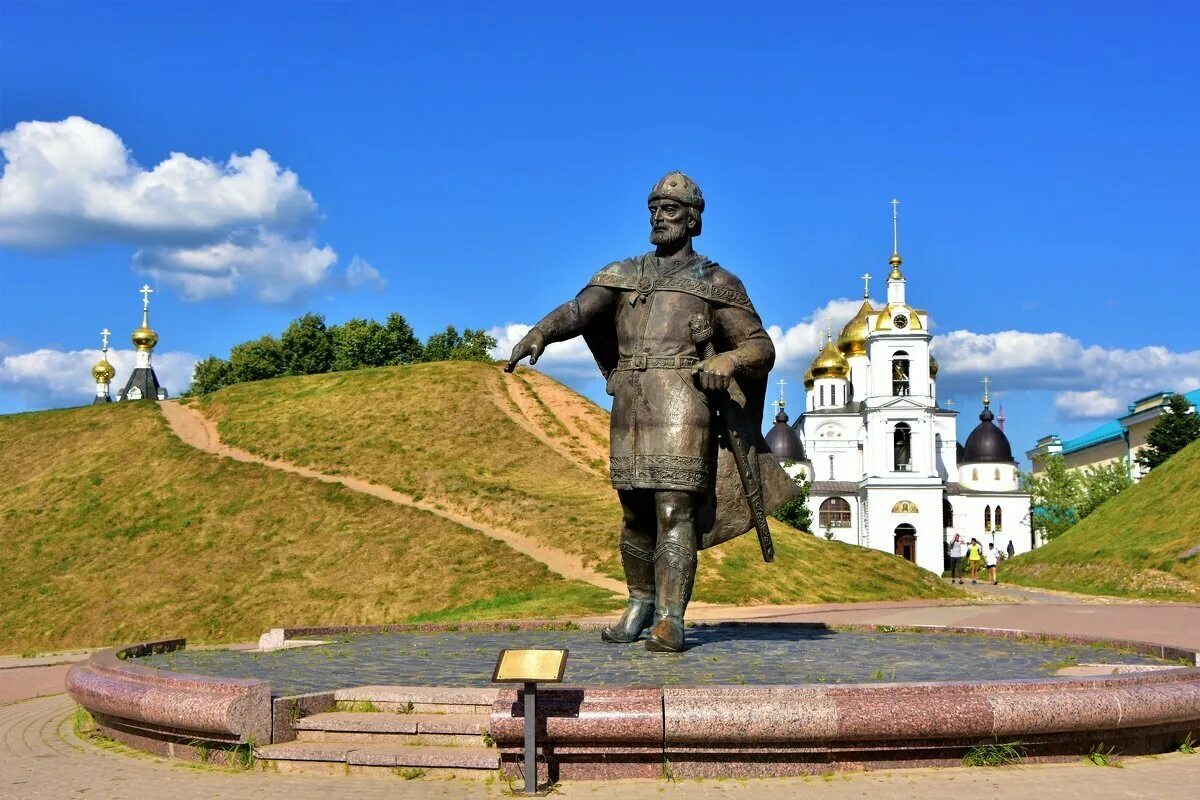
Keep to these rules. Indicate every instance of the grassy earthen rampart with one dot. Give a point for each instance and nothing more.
(1133, 545)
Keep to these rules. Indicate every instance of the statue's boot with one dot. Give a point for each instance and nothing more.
(639, 577)
(674, 574)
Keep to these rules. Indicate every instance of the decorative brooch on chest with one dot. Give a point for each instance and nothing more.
(643, 287)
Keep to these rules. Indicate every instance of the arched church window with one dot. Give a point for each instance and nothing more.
(822, 391)
(834, 513)
(902, 447)
(900, 374)
(997, 474)
(999, 522)
(833, 395)
(974, 473)
(987, 518)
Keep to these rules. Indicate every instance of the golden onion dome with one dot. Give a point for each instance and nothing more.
(852, 341)
(103, 372)
(144, 338)
(830, 363)
(809, 380)
(898, 316)
(933, 366)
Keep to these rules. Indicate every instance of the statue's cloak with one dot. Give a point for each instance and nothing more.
(725, 512)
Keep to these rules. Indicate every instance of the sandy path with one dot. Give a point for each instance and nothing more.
(585, 421)
(579, 443)
(200, 432)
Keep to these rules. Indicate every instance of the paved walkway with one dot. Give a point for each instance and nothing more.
(41, 759)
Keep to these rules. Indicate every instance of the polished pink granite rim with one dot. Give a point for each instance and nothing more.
(701, 731)
(169, 713)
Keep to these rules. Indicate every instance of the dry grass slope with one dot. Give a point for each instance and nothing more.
(114, 530)
(1132, 545)
(438, 431)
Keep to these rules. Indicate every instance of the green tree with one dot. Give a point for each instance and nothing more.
(795, 512)
(209, 375)
(404, 344)
(256, 360)
(1178, 427)
(1101, 483)
(306, 346)
(1055, 496)
(359, 343)
(449, 345)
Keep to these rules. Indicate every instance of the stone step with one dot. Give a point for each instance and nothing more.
(424, 699)
(382, 727)
(330, 757)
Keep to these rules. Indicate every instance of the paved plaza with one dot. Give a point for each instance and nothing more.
(42, 759)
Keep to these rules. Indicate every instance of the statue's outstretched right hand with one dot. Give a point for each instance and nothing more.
(532, 344)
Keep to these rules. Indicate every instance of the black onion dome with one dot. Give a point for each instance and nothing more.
(987, 444)
(784, 441)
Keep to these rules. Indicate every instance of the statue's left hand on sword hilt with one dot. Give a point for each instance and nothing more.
(702, 334)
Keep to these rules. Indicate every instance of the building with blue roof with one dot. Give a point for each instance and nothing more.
(1116, 441)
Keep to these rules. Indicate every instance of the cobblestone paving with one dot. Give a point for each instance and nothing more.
(40, 759)
(719, 654)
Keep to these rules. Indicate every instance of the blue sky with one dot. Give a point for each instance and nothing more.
(477, 162)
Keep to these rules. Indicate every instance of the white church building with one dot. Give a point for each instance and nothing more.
(886, 467)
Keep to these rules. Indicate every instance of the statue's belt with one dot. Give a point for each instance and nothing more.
(645, 285)
(643, 362)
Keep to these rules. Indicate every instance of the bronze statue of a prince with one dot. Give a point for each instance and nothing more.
(686, 357)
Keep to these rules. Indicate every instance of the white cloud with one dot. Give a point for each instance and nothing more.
(570, 359)
(274, 267)
(1087, 405)
(360, 273)
(1092, 382)
(1089, 381)
(47, 376)
(796, 347)
(205, 227)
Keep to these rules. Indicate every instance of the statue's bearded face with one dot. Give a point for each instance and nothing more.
(670, 222)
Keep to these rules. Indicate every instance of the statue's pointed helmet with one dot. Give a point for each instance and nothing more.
(682, 189)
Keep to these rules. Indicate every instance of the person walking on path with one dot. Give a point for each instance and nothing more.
(990, 558)
(974, 557)
(956, 557)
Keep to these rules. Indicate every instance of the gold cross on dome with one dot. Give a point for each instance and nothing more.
(145, 292)
(866, 279)
(782, 383)
(104, 334)
(986, 381)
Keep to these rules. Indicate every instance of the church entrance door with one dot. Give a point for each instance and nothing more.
(906, 542)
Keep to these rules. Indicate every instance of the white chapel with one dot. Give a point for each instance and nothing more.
(886, 467)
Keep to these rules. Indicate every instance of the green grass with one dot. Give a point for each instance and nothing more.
(356, 706)
(117, 531)
(437, 431)
(1101, 757)
(994, 754)
(1130, 546)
